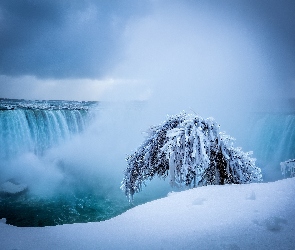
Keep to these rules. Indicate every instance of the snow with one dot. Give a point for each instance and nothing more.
(193, 152)
(246, 216)
(288, 166)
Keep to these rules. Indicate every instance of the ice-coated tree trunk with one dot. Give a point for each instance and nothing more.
(192, 152)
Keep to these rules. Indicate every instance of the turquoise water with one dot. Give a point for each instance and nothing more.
(26, 211)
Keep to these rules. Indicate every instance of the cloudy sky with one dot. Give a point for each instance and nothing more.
(209, 50)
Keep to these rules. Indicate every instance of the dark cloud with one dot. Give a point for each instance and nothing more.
(82, 39)
(62, 38)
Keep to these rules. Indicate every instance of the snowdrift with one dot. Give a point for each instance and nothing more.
(247, 216)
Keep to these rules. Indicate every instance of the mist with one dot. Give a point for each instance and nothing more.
(91, 162)
(180, 56)
(204, 61)
(213, 60)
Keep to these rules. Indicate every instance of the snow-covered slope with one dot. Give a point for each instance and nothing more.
(248, 216)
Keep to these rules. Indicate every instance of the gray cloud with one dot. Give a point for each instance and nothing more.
(63, 39)
(83, 39)
(273, 22)
(276, 22)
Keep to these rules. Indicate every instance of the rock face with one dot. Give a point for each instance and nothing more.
(12, 188)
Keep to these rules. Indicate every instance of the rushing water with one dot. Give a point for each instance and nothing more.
(69, 156)
(35, 126)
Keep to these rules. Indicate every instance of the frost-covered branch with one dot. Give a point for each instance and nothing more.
(288, 166)
(190, 151)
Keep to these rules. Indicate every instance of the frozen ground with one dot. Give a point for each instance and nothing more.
(253, 216)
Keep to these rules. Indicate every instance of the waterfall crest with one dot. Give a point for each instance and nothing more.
(37, 126)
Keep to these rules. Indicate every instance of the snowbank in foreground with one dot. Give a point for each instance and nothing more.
(249, 216)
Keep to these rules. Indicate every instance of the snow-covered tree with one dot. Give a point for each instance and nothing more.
(288, 167)
(190, 151)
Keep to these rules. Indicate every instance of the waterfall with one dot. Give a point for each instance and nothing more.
(27, 128)
(61, 162)
(272, 138)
